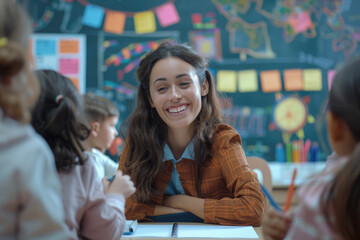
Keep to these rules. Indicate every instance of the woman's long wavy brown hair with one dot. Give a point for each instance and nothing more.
(343, 197)
(147, 133)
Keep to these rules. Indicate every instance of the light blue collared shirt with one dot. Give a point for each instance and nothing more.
(174, 187)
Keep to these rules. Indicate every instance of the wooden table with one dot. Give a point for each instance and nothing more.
(127, 237)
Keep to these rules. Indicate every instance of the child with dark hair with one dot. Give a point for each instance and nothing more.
(30, 202)
(93, 210)
(102, 116)
(329, 205)
(186, 164)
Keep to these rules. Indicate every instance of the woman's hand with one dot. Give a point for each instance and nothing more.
(275, 225)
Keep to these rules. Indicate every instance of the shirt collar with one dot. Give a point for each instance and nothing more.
(188, 153)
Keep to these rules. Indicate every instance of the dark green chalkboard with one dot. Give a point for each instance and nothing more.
(260, 35)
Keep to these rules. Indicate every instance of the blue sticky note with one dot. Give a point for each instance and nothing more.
(93, 16)
(45, 47)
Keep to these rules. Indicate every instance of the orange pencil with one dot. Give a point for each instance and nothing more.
(290, 192)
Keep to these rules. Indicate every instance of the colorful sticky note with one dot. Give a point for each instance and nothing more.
(312, 79)
(69, 66)
(68, 46)
(114, 22)
(226, 81)
(76, 82)
(45, 47)
(270, 81)
(47, 62)
(331, 74)
(247, 80)
(167, 14)
(93, 16)
(144, 22)
(293, 80)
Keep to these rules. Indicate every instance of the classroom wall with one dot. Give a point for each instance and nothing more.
(273, 60)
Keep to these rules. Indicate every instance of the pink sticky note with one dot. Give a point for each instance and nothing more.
(331, 75)
(69, 66)
(167, 14)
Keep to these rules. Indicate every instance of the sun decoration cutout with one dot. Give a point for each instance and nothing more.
(290, 114)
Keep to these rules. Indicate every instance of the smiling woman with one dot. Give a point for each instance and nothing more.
(186, 164)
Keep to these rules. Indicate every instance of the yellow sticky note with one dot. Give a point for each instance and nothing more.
(114, 22)
(226, 81)
(206, 47)
(144, 22)
(312, 79)
(247, 80)
(270, 81)
(293, 80)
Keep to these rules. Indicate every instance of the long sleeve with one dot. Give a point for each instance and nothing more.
(30, 199)
(89, 212)
(39, 196)
(246, 204)
(309, 220)
(105, 166)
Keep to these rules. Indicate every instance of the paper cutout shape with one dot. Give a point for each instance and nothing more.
(114, 22)
(248, 81)
(270, 81)
(293, 80)
(69, 66)
(93, 16)
(312, 79)
(167, 14)
(300, 22)
(68, 46)
(330, 74)
(45, 47)
(226, 81)
(144, 22)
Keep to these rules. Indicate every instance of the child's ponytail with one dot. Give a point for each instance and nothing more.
(58, 118)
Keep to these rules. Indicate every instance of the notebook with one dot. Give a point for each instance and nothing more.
(200, 231)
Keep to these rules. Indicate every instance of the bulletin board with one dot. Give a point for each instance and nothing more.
(63, 53)
(273, 61)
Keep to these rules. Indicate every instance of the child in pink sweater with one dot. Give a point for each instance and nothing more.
(93, 210)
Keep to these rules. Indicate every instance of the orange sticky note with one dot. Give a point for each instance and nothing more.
(144, 22)
(247, 80)
(67, 46)
(226, 81)
(270, 81)
(75, 81)
(114, 22)
(312, 79)
(293, 80)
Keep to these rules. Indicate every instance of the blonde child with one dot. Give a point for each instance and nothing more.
(30, 203)
(330, 204)
(93, 210)
(102, 116)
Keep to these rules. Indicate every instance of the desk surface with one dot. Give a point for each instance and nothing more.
(127, 237)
